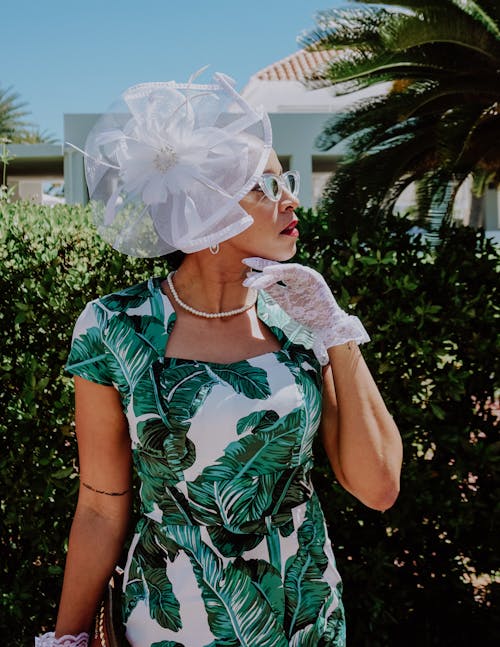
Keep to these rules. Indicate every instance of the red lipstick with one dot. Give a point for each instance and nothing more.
(291, 229)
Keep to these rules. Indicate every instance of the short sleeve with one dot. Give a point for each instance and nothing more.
(88, 357)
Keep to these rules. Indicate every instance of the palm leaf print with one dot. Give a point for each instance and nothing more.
(239, 486)
(152, 433)
(167, 643)
(311, 413)
(256, 420)
(169, 444)
(335, 634)
(157, 494)
(135, 590)
(327, 631)
(131, 297)
(182, 389)
(305, 588)
(308, 637)
(152, 539)
(268, 449)
(145, 400)
(148, 577)
(304, 360)
(248, 482)
(244, 378)
(231, 544)
(293, 488)
(273, 545)
(83, 358)
(239, 614)
(157, 302)
(268, 580)
(132, 354)
(163, 605)
(151, 330)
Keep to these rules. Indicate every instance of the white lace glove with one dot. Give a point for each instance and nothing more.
(306, 297)
(49, 640)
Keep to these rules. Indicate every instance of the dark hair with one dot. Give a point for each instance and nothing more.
(174, 259)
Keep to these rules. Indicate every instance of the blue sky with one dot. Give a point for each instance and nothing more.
(66, 56)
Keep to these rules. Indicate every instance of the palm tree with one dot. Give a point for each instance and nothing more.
(33, 136)
(439, 122)
(12, 114)
(13, 125)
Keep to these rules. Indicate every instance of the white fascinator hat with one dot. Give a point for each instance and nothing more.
(168, 163)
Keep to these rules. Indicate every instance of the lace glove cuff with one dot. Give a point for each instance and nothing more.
(344, 328)
(49, 640)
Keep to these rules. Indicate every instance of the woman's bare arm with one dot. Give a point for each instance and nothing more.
(101, 520)
(359, 434)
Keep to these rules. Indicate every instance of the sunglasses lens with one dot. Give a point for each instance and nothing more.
(291, 182)
(272, 187)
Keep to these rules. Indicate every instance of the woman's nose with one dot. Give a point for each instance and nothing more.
(289, 200)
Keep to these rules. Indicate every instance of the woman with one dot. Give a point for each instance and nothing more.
(214, 382)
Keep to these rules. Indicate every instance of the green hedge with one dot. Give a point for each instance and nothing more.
(419, 574)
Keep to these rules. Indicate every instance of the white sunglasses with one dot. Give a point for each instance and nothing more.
(272, 185)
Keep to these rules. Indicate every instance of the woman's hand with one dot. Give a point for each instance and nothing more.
(304, 294)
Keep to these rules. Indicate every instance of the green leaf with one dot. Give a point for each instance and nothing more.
(163, 605)
(305, 588)
(131, 297)
(231, 544)
(87, 357)
(244, 378)
(268, 580)
(254, 420)
(132, 353)
(134, 589)
(239, 612)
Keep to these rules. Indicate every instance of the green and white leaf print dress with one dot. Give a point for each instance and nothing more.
(232, 546)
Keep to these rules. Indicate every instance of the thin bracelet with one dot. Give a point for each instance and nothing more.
(104, 491)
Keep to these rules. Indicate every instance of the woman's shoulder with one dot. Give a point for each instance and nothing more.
(121, 324)
(129, 297)
(131, 300)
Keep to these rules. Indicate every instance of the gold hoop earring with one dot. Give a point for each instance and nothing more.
(214, 249)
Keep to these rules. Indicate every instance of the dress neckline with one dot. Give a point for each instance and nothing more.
(170, 317)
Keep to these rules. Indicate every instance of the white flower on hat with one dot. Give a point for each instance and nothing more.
(163, 152)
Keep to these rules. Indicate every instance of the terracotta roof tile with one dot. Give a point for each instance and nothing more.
(294, 67)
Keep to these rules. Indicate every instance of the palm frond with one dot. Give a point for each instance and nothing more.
(340, 27)
(438, 124)
(419, 98)
(13, 113)
(480, 14)
(436, 194)
(481, 179)
(33, 136)
(441, 25)
(374, 168)
(354, 70)
(485, 11)
(404, 45)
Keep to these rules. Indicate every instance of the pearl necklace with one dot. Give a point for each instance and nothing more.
(200, 313)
